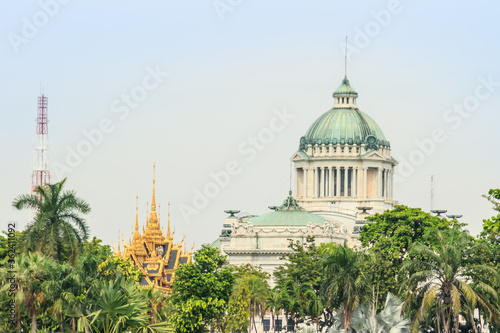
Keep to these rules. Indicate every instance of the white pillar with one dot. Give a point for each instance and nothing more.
(365, 182)
(316, 181)
(345, 180)
(321, 182)
(379, 182)
(330, 180)
(304, 189)
(353, 182)
(338, 181)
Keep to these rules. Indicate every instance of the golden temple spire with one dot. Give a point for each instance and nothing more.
(152, 216)
(137, 213)
(158, 215)
(118, 240)
(153, 202)
(168, 228)
(185, 245)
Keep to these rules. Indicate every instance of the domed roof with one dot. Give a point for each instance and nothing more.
(288, 214)
(344, 124)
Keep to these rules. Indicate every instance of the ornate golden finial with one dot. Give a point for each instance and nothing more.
(173, 232)
(191, 251)
(118, 240)
(153, 202)
(185, 244)
(182, 241)
(137, 213)
(147, 214)
(114, 250)
(153, 218)
(124, 243)
(168, 228)
(158, 215)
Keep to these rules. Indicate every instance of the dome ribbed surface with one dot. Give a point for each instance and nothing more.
(344, 126)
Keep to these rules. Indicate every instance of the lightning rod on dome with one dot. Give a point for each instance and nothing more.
(345, 57)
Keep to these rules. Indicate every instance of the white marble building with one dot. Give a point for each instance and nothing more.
(343, 172)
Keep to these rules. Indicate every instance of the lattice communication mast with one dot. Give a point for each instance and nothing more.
(41, 175)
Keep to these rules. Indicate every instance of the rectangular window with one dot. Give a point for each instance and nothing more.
(279, 325)
(267, 325)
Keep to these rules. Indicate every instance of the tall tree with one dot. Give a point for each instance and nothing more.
(344, 284)
(445, 274)
(57, 229)
(258, 294)
(201, 291)
(388, 237)
(32, 273)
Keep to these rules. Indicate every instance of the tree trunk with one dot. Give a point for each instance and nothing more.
(456, 323)
(33, 323)
(61, 325)
(437, 318)
(73, 325)
(474, 328)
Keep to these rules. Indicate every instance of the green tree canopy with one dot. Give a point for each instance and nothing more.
(389, 236)
(57, 230)
(201, 292)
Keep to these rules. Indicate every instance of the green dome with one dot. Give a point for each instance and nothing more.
(288, 214)
(345, 125)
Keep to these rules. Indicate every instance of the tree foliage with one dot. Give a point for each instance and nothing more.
(201, 292)
(57, 229)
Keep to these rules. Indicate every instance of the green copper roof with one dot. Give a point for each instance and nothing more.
(344, 125)
(288, 214)
(345, 89)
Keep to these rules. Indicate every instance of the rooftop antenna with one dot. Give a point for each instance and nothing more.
(345, 59)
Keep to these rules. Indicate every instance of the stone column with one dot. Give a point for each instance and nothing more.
(322, 182)
(365, 182)
(337, 178)
(346, 181)
(304, 185)
(316, 182)
(379, 182)
(330, 182)
(354, 190)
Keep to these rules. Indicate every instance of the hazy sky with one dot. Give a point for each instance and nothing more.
(198, 87)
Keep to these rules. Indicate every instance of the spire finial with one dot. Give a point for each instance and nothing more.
(345, 54)
(153, 202)
(168, 228)
(137, 213)
(185, 245)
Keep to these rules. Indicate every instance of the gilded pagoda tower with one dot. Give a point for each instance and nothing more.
(154, 252)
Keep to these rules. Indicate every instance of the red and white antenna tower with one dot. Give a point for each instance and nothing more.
(41, 175)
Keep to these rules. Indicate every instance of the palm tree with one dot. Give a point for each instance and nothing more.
(32, 273)
(274, 304)
(121, 307)
(293, 298)
(258, 295)
(344, 281)
(444, 275)
(389, 320)
(57, 230)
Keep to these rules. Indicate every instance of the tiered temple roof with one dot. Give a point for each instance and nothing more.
(153, 252)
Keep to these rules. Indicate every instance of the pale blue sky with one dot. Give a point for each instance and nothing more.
(225, 78)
